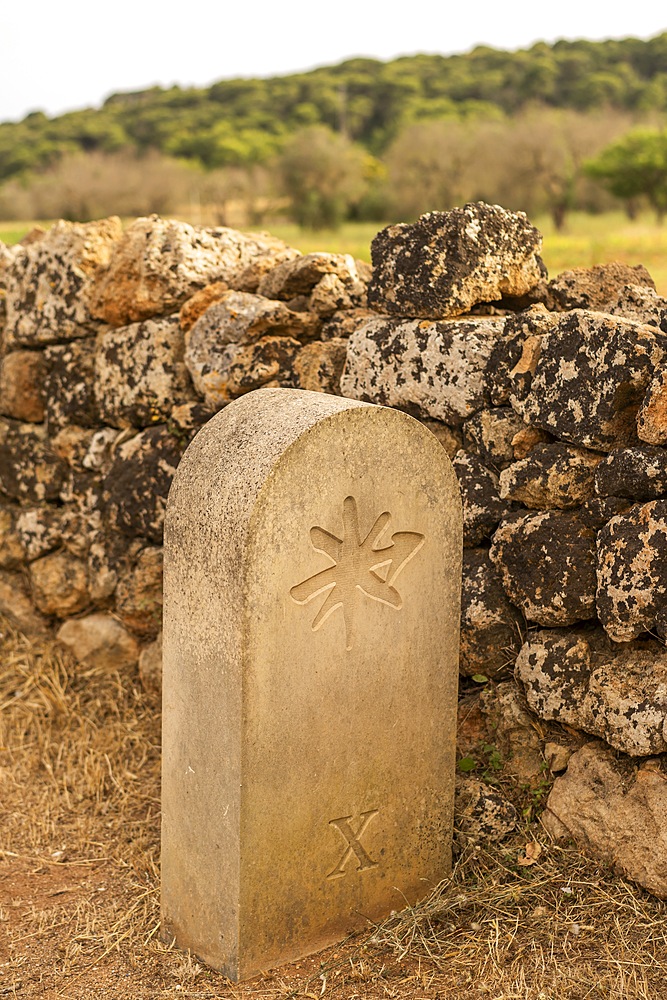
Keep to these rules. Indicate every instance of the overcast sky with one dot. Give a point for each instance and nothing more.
(57, 56)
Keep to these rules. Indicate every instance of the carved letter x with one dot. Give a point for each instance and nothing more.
(352, 840)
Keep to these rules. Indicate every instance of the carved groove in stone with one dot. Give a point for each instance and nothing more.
(352, 840)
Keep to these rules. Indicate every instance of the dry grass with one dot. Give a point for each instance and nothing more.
(79, 884)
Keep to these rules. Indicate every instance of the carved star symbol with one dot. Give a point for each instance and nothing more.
(360, 567)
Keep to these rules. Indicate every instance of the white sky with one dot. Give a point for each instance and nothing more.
(56, 55)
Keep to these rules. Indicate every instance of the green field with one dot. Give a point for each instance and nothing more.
(587, 240)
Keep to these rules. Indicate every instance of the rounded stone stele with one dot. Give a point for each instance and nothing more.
(311, 619)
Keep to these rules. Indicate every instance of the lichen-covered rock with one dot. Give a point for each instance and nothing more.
(138, 481)
(15, 604)
(344, 323)
(249, 278)
(526, 439)
(596, 287)
(59, 584)
(481, 812)
(160, 263)
(490, 625)
(102, 447)
(11, 548)
(584, 680)
(652, 415)
(50, 281)
(446, 262)
(547, 563)
(71, 444)
(637, 473)
(197, 305)
(70, 386)
(139, 594)
(242, 318)
(632, 572)
(482, 507)
(489, 435)
(140, 373)
(39, 530)
(616, 810)
(99, 641)
(220, 374)
(642, 304)
(29, 469)
(22, 375)
(301, 276)
(553, 475)
(590, 379)
(449, 437)
(319, 365)
(516, 353)
(334, 292)
(437, 370)
(514, 731)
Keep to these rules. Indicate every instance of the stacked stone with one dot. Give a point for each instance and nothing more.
(115, 348)
(556, 395)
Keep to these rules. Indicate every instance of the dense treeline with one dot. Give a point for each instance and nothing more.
(549, 128)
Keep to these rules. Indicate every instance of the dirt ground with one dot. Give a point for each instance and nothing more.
(79, 879)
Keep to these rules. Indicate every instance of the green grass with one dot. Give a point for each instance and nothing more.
(587, 240)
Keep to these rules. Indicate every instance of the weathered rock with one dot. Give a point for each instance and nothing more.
(636, 473)
(526, 439)
(438, 370)
(450, 438)
(547, 563)
(160, 263)
(582, 679)
(99, 640)
(318, 366)
(596, 287)
(140, 373)
(70, 385)
(489, 434)
(514, 732)
(102, 448)
(251, 275)
(196, 306)
(338, 291)
(50, 281)
(11, 549)
(187, 418)
(447, 262)
(652, 415)
(490, 625)
(59, 584)
(29, 470)
(221, 374)
(482, 507)
(614, 810)
(641, 304)
(242, 318)
(39, 530)
(16, 605)
(516, 353)
(71, 444)
(139, 594)
(137, 484)
(471, 728)
(481, 812)
(343, 324)
(150, 666)
(632, 572)
(553, 475)
(22, 375)
(590, 379)
(303, 274)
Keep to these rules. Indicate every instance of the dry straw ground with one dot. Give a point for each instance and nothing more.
(79, 879)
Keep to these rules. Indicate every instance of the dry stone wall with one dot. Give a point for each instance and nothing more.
(549, 396)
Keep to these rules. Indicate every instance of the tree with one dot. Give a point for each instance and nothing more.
(636, 165)
(323, 176)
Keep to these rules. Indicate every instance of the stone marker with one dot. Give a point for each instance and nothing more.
(311, 618)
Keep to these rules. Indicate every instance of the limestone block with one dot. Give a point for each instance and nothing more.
(139, 594)
(598, 286)
(29, 469)
(489, 434)
(438, 370)
(642, 304)
(242, 318)
(553, 475)
(516, 354)
(39, 530)
(334, 292)
(312, 572)
(159, 264)
(652, 415)
(447, 262)
(140, 373)
(482, 507)
(632, 572)
(490, 625)
(344, 323)
(584, 680)
(99, 640)
(319, 365)
(590, 379)
(22, 375)
(481, 812)
(222, 373)
(138, 481)
(70, 385)
(636, 473)
(250, 277)
(302, 274)
(615, 810)
(49, 283)
(196, 306)
(59, 584)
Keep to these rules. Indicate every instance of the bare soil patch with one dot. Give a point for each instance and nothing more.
(79, 879)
